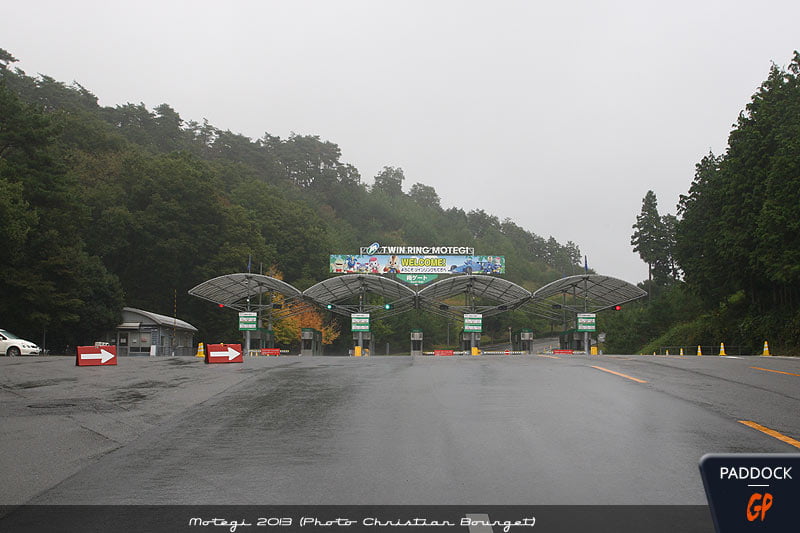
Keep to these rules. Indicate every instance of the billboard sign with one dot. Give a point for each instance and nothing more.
(417, 264)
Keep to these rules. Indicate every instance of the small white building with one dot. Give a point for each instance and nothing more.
(145, 333)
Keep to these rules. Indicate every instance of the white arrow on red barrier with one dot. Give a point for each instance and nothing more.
(230, 353)
(103, 356)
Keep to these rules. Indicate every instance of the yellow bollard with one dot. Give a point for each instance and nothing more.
(699, 351)
(201, 352)
(667, 352)
(722, 348)
(766, 348)
(357, 351)
(681, 352)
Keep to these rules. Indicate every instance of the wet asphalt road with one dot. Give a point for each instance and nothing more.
(527, 430)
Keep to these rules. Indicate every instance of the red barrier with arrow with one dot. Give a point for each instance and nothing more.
(224, 353)
(96, 356)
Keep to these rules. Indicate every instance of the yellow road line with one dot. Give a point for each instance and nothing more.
(771, 433)
(776, 371)
(637, 380)
(550, 356)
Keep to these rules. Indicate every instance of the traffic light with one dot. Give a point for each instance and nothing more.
(329, 306)
(387, 306)
(617, 308)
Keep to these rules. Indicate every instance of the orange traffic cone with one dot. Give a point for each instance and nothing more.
(766, 348)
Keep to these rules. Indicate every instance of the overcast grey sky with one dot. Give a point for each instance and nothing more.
(557, 115)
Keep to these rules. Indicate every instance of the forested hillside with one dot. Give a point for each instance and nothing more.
(102, 207)
(728, 268)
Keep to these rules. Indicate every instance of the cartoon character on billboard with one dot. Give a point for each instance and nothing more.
(351, 263)
(338, 265)
(487, 266)
(392, 267)
(497, 265)
(374, 267)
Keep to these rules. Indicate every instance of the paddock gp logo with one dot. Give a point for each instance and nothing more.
(753, 492)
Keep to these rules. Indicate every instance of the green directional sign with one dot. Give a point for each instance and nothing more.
(359, 322)
(248, 321)
(473, 323)
(417, 279)
(587, 321)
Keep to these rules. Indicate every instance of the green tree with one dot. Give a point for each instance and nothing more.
(425, 196)
(49, 280)
(16, 218)
(6, 59)
(389, 181)
(737, 240)
(648, 231)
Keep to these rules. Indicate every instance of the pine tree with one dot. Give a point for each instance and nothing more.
(647, 237)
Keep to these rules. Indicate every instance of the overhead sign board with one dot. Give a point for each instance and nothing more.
(376, 249)
(96, 356)
(417, 279)
(359, 322)
(248, 321)
(473, 323)
(224, 353)
(417, 264)
(586, 321)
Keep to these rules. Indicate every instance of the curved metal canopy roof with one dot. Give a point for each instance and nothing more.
(234, 290)
(161, 320)
(488, 295)
(503, 295)
(341, 291)
(591, 292)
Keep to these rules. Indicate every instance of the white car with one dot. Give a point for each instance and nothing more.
(11, 345)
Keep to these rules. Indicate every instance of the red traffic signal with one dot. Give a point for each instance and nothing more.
(617, 308)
